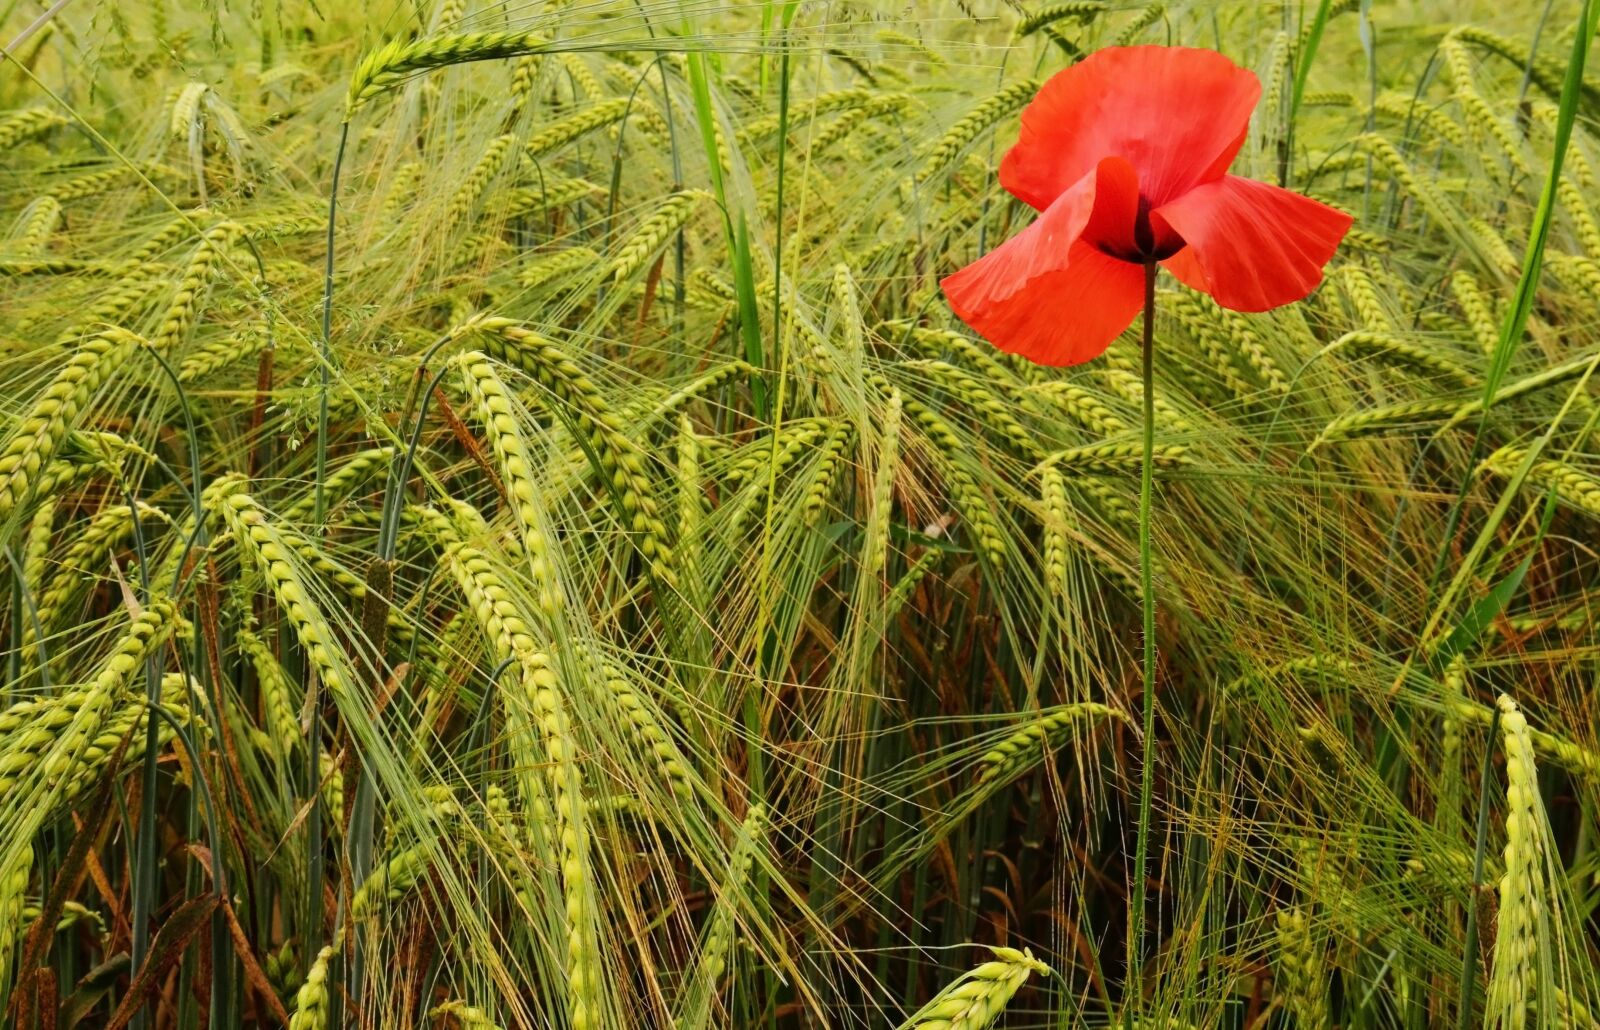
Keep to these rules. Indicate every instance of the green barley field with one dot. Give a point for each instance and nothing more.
(501, 528)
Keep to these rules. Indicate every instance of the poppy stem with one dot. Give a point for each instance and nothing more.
(1136, 904)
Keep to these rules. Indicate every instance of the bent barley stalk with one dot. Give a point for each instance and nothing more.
(119, 303)
(1052, 13)
(1543, 70)
(1111, 458)
(180, 315)
(992, 411)
(830, 459)
(352, 472)
(48, 763)
(477, 181)
(1580, 490)
(1057, 520)
(879, 516)
(584, 986)
(495, 409)
(645, 730)
(34, 439)
(278, 697)
(680, 398)
(556, 267)
(35, 225)
(962, 134)
(16, 867)
(1011, 754)
(1475, 306)
(392, 880)
(551, 194)
(1127, 385)
(616, 452)
(1400, 353)
(36, 552)
(20, 126)
(653, 233)
(271, 555)
(210, 358)
(974, 507)
(558, 134)
(393, 63)
(84, 561)
(1407, 415)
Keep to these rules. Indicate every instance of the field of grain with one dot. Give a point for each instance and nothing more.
(502, 529)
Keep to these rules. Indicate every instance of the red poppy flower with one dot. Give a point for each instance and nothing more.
(1125, 156)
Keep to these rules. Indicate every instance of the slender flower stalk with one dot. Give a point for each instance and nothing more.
(1147, 601)
(1125, 157)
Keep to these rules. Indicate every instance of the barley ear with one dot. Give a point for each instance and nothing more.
(976, 1001)
(1524, 911)
(311, 1002)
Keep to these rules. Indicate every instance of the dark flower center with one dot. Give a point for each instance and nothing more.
(1145, 245)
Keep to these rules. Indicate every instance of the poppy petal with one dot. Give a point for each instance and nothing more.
(1178, 114)
(1050, 293)
(1251, 246)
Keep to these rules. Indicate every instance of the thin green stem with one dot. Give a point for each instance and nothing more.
(325, 383)
(1469, 954)
(320, 513)
(1147, 597)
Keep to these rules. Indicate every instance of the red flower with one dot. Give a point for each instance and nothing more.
(1125, 157)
